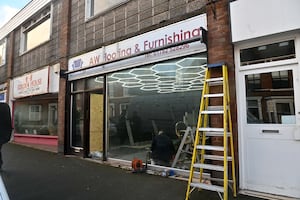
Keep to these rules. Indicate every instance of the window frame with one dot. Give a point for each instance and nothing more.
(34, 22)
(260, 42)
(263, 51)
(34, 115)
(89, 11)
(3, 53)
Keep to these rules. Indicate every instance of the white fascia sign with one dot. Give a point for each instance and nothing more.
(30, 84)
(159, 38)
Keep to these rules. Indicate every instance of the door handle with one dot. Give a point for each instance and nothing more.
(270, 131)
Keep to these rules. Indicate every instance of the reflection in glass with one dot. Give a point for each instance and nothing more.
(157, 97)
(268, 53)
(35, 117)
(270, 97)
(77, 120)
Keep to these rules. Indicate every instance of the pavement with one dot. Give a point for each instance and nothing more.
(32, 174)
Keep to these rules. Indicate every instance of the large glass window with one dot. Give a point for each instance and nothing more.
(33, 117)
(158, 98)
(273, 100)
(94, 7)
(2, 52)
(37, 30)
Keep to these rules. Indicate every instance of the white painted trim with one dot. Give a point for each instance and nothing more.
(30, 9)
(264, 195)
(240, 89)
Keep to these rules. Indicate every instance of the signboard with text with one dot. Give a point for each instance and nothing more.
(157, 39)
(33, 83)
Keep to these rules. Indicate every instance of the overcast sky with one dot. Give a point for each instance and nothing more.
(8, 8)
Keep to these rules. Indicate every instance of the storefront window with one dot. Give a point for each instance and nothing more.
(36, 117)
(157, 98)
(272, 100)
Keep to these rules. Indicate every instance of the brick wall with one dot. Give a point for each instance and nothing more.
(220, 49)
(129, 19)
(43, 55)
(64, 43)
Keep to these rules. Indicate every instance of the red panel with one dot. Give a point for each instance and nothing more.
(36, 139)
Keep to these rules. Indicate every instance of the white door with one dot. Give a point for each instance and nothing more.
(269, 120)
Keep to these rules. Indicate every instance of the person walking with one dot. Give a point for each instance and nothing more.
(5, 127)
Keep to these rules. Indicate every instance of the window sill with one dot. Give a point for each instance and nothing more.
(34, 48)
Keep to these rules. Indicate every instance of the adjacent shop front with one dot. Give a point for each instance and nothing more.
(35, 106)
(124, 94)
(267, 73)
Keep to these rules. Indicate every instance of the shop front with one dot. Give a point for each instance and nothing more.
(35, 107)
(267, 62)
(125, 94)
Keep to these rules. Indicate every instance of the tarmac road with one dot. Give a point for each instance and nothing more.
(32, 174)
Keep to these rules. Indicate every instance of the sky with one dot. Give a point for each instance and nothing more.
(8, 8)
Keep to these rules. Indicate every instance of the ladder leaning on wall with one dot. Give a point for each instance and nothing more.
(208, 156)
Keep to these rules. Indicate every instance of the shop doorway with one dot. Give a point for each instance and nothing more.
(269, 125)
(87, 126)
(87, 115)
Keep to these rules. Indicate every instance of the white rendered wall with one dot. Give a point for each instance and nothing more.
(256, 18)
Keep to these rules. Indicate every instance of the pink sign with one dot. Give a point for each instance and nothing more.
(33, 83)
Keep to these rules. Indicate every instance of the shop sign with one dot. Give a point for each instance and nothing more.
(33, 83)
(172, 34)
(3, 96)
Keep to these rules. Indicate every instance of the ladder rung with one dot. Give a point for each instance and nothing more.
(208, 129)
(215, 108)
(216, 134)
(210, 147)
(210, 80)
(214, 95)
(212, 112)
(216, 157)
(209, 166)
(204, 186)
(210, 132)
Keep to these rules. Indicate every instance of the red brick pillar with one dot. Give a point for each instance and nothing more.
(64, 51)
(220, 49)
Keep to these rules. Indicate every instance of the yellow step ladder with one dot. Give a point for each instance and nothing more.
(209, 156)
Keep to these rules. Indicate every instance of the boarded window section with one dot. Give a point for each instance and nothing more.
(268, 53)
(38, 35)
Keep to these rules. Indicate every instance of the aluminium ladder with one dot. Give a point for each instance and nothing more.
(214, 158)
(185, 148)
